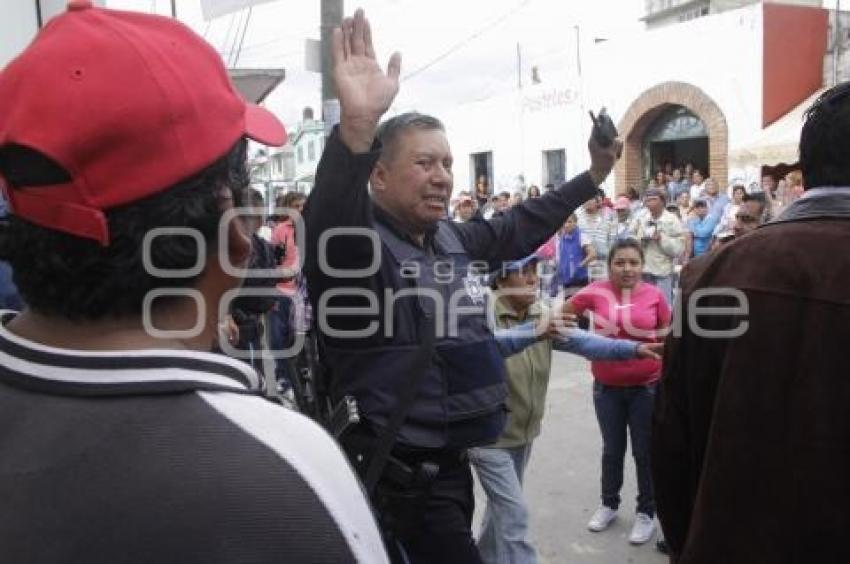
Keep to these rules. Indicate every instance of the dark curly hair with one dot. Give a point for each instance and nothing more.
(62, 275)
(823, 140)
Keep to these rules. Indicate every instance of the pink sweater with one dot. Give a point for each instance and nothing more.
(284, 233)
(634, 315)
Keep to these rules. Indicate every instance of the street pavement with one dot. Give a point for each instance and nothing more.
(562, 480)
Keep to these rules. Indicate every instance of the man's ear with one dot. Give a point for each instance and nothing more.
(238, 243)
(378, 178)
(238, 238)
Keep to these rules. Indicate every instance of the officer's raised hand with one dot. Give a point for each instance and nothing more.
(365, 91)
(603, 159)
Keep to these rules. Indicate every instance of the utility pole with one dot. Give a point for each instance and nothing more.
(331, 18)
(174, 9)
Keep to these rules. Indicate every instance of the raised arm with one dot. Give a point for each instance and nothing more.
(340, 197)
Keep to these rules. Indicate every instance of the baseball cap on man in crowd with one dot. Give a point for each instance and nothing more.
(126, 104)
(655, 193)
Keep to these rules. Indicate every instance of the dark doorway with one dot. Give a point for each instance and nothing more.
(554, 167)
(677, 137)
(481, 165)
(679, 153)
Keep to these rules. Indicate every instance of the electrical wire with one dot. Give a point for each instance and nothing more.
(469, 39)
(244, 33)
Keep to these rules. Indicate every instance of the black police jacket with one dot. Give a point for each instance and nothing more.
(370, 283)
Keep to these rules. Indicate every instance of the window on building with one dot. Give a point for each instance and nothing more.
(300, 155)
(311, 151)
(554, 167)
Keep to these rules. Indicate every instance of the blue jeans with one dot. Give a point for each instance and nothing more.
(281, 335)
(618, 409)
(504, 530)
(663, 283)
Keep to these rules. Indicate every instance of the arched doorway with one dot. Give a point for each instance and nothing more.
(656, 109)
(676, 137)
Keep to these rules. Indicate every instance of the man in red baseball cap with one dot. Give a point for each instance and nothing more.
(122, 145)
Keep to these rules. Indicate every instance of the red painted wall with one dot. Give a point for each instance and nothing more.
(794, 47)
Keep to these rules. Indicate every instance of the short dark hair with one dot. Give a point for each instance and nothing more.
(61, 275)
(824, 140)
(621, 244)
(390, 130)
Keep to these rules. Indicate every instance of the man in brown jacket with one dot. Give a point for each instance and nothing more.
(751, 445)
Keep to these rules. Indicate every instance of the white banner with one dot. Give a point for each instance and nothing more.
(215, 8)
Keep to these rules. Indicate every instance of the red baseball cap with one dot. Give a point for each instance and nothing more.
(128, 104)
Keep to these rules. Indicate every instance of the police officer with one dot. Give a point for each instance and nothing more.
(387, 275)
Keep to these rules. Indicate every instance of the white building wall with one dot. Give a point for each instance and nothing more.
(19, 23)
(516, 127)
(720, 54)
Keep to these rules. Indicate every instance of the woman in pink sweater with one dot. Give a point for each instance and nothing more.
(624, 391)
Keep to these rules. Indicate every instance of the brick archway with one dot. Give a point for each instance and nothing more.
(647, 107)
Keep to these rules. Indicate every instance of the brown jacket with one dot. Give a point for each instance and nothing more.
(751, 437)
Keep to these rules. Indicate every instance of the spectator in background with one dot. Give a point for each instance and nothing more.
(516, 199)
(675, 186)
(247, 310)
(683, 202)
(600, 225)
(623, 209)
(702, 227)
(482, 192)
(634, 199)
(716, 200)
(501, 203)
(696, 187)
(662, 239)
(574, 251)
(282, 319)
(724, 229)
(533, 191)
(795, 185)
(465, 209)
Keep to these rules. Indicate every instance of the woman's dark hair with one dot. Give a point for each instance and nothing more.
(824, 141)
(739, 188)
(621, 244)
(61, 275)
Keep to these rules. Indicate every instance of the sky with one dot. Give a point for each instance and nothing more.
(453, 51)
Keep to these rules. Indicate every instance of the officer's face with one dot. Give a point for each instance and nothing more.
(416, 183)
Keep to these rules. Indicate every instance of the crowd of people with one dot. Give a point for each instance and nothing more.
(125, 436)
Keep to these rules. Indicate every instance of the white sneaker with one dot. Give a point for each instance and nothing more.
(643, 529)
(601, 519)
